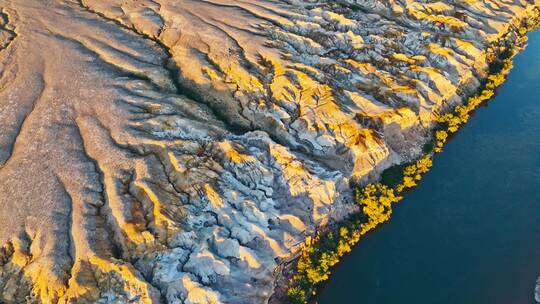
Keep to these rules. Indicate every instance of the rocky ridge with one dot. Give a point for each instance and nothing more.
(160, 151)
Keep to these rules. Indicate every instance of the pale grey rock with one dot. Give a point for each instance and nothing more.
(537, 290)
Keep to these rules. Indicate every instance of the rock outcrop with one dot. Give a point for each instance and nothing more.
(159, 151)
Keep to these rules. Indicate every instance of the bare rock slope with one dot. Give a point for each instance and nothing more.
(160, 151)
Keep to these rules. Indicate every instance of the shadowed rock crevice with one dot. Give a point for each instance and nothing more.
(7, 31)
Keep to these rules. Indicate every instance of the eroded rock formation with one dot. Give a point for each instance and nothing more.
(159, 151)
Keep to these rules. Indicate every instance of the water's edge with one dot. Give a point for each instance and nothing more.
(436, 148)
(402, 266)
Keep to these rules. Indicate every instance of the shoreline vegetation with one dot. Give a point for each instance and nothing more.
(326, 249)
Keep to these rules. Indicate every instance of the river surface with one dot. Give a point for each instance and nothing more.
(470, 232)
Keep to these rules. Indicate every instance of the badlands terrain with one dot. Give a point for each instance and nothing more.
(181, 151)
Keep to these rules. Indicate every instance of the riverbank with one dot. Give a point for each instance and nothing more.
(467, 233)
(376, 200)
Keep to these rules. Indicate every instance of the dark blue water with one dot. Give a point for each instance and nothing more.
(470, 232)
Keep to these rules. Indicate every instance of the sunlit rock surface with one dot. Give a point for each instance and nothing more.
(160, 151)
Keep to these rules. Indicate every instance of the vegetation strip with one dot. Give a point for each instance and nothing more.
(324, 251)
